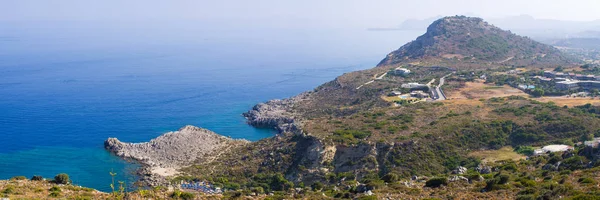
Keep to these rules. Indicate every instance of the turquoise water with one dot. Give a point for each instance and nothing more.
(66, 87)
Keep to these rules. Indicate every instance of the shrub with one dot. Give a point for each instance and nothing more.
(18, 178)
(525, 150)
(8, 190)
(54, 189)
(62, 179)
(586, 180)
(436, 182)
(526, 197)
(37, 178)
(503, 179)
(258, 190)
(54, 194)
(186, 195)
(372, 197)
(390, 178)
(177, 194)
(586, 197)
(232, 186)
(317, 186)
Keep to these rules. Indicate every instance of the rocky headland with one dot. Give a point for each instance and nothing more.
(165, 155)
(277, 114)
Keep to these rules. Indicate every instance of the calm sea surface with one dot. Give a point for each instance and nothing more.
(67, 86)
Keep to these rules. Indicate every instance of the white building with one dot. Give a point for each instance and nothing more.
(413, 85)
(401, 71)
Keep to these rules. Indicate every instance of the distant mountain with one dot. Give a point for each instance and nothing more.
(468, 38)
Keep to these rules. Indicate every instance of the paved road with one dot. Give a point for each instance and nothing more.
(438, 93)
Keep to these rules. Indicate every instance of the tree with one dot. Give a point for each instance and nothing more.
(37, 178)
(558, 69)
(537, 92)
(62, 179)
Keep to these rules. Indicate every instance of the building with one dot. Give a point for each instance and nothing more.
(573, 84)
(560, 75)
(419, 94)
(549, 74)
(395, 93)
(593, 143)
(414, 85)
(543, 78)
(553, 148)
(567, 85)
(401, 71)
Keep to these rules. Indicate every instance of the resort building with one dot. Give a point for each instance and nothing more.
(413, 85)
(553, 148)
(419, 94)
(567, 85)
(401, 71)
(573, 84)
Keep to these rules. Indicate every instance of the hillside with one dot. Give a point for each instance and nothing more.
(347, 139)
(467, 38)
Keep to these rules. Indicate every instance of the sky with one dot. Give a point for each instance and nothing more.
(292, 13)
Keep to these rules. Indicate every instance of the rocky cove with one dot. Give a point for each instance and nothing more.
(165, 156)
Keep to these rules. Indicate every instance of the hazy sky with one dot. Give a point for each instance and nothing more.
(367, 13)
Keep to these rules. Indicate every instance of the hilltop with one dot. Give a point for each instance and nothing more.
(467, 38)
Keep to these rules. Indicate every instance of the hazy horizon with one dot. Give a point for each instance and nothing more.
(272, 13)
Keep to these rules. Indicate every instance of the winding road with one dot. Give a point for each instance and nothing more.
(438, 94)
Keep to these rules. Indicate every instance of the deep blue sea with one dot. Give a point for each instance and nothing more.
(67, 86)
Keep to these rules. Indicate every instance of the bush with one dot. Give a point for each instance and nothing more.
(62, 179)
(17, 178)
(54, 189)
(258, 190)
(390, 178)
(186, 195)
(586, 197)
(372, 197)
(317, 186)
(436, 182)
(8, 190)
(526, 197)
(54, 194)
(37, 178)
(177, 194)
(525, 150)
(586, 180)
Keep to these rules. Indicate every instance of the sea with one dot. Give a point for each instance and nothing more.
(66, 86)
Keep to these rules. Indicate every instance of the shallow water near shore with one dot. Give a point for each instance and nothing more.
(64, 91)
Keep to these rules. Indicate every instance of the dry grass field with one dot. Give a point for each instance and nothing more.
(479, 90)
(490, 156)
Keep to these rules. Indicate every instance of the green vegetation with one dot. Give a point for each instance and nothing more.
(62, 179)
(177, 194)
(525, 150)
(436, 182)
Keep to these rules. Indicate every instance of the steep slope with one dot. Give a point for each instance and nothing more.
(467, 38)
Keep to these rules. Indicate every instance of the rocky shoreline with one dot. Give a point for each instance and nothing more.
(162, 157)
(277, 114)
(165, 155)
